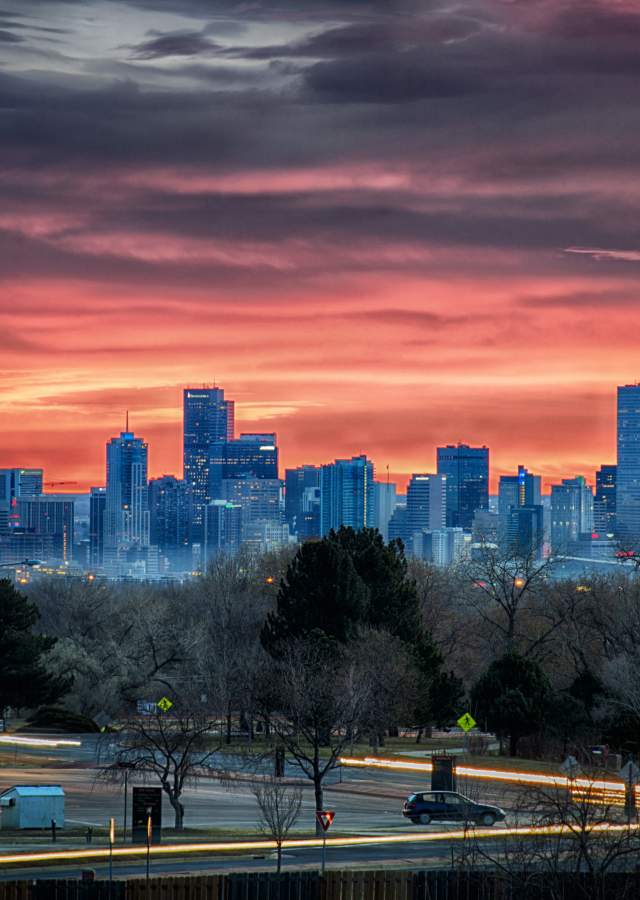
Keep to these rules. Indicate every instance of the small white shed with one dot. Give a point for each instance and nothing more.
(32, 806)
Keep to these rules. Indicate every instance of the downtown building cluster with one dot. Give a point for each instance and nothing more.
(231, 496)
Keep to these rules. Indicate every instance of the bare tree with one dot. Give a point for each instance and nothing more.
(579, 829)
(319, 697)
(279, 806)
(507, 592)
(172, 748)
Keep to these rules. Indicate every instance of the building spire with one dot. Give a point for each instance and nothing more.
(126, 424)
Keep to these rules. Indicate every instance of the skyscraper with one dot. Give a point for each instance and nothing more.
(426, 504)
(467, 471)
(604, 501)
(346, 494)
(97, 506)
(628, 473)
(249, 456)
(14, 484)
(207, 417)
(302, 486)
(516, 493)
(169, 520)
(44, 516)
(384, 499)
(127, 498)
(571, 514)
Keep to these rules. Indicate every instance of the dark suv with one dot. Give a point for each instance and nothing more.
(448, 806)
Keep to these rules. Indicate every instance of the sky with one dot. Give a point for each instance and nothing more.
(380, 226)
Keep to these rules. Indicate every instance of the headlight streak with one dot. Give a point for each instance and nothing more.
(509, 776)
(14, 740)
(307, 843)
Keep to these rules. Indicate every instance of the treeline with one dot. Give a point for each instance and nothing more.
(346, 638)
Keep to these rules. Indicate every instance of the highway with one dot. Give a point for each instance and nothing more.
(366, 802)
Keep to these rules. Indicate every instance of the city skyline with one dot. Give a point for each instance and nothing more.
(385, 226)
(400, 477)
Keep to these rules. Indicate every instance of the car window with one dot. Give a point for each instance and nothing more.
(452, 800)
(412, 797)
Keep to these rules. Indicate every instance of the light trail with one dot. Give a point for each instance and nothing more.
(160, 850)
(505, 775)
(14, 740)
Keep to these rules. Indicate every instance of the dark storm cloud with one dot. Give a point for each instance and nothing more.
(370, 79)
(178, 43)
(7, 37)
(450, 94)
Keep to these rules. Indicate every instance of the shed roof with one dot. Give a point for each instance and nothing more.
(35, 790)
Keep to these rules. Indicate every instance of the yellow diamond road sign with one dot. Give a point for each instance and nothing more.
(165, 704)
(467, 722)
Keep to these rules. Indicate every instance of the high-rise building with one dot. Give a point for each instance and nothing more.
(526, 530)
(302, 489)
(467, 472)
(346, 494)
(442, 547)
(249, 456)
(127, 495)
(16, 483)
(426, 506)
(384, 503)
(259, 498)
(207, 418)
(604, 501)
(223, 528)
(514, 493)
(571, 515)
(97, 506)
(169, 520)
(398, 523)
(42, 516)
(628, 473)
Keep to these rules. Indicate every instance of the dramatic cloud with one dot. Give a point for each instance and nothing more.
(380, 224)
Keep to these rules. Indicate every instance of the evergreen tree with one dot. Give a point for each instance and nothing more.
(512, 697)
(347, 581)
(24, 681)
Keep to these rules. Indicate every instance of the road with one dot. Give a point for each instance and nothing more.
(407, 856)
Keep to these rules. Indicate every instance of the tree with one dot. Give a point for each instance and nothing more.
(172, 748)
(319, 698)
(512, 697)
(506, 592)
(24, 678)
(347, 581)
(279, 806)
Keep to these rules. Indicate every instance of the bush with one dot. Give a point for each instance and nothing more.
(59, 719)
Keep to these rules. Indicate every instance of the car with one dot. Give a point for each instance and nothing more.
(449, 806)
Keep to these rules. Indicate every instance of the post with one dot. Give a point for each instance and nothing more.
(124, 826)
(324, 851)
(149, 828)
(112, 837)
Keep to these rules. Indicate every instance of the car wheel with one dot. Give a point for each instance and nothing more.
(488, 819)
(415, 821)
(425, 818)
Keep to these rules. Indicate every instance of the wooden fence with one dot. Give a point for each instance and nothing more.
(336, 885)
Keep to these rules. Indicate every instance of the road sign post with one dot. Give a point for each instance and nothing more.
(466, 722)
(325, 817)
